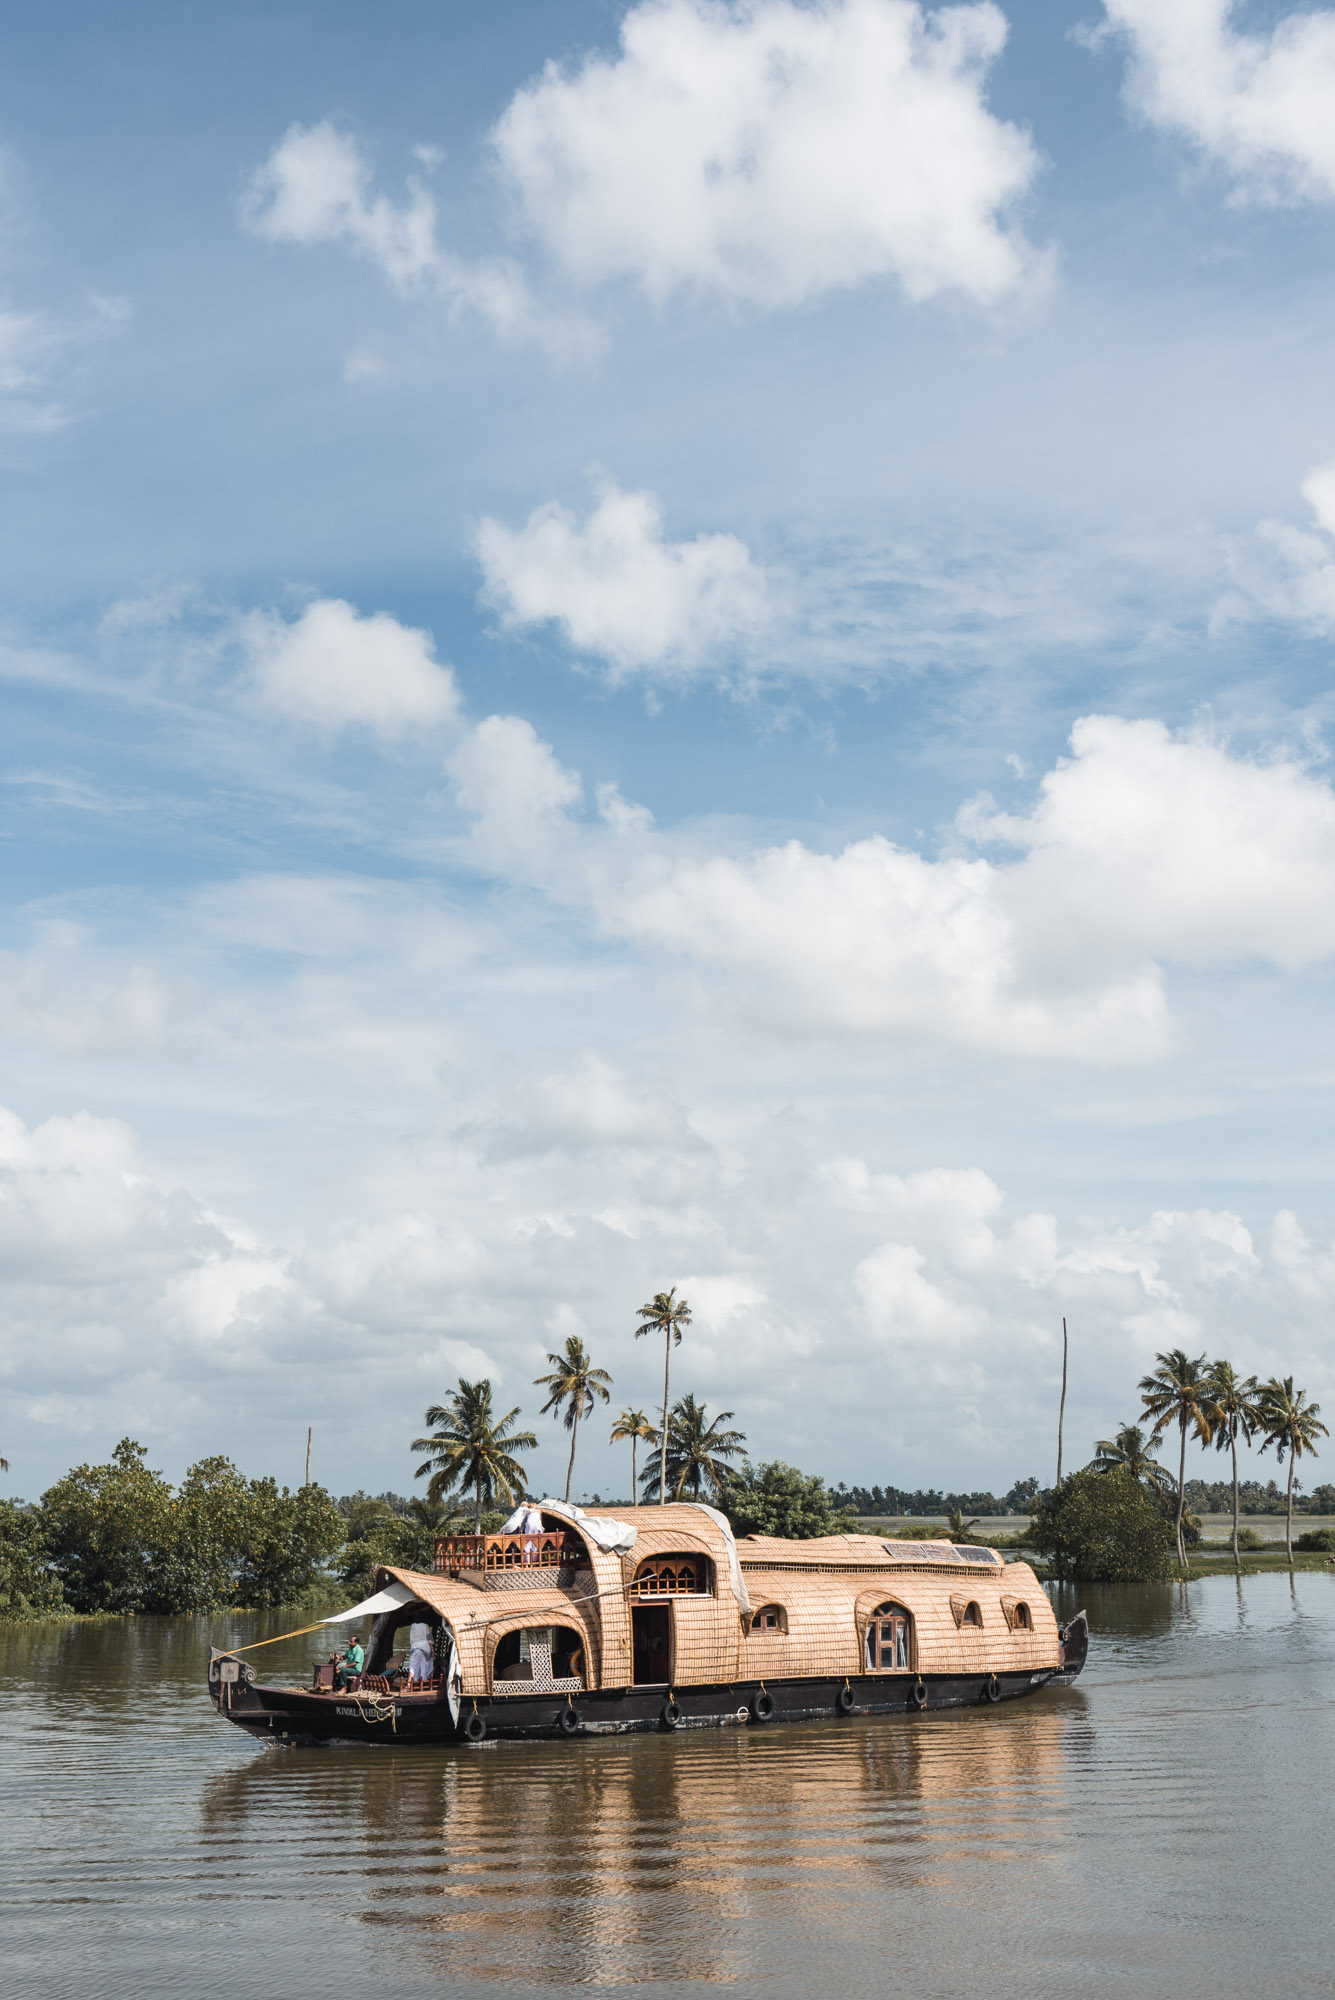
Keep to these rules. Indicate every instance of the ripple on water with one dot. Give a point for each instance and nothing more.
(1162, 1825)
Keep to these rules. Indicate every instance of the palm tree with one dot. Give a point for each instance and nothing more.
(665, 1314)
(1178, 1392)
(1131, 1451)
(470, 1446)
(433, 1516)
(572, 1386)
(1237, 1416)
(1292, 1425)
(956, 1525)
(697, 1450)
(633, 1424)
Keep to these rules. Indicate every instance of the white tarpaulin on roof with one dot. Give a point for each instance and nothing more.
(612, 1537)
(388, 1599)
(734, 1567)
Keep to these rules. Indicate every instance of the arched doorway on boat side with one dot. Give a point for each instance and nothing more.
(889, 1643)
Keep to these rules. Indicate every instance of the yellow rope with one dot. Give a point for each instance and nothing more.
(227, 1651)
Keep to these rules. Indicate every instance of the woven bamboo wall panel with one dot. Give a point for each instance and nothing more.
(827, 1611)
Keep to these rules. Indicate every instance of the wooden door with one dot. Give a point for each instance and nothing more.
(651, 1635)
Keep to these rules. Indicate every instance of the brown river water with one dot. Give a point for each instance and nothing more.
(1163, 1827)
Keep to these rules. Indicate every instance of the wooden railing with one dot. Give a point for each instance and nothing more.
(533, 1551)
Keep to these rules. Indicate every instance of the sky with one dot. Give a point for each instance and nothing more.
(673, 645)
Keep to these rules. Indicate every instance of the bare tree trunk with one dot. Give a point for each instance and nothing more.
(634, 1471)
(1233, 1440)
(1061, 1414)
(1182, 1491)
(574, 1440)
(662, 1463)
(477, 1505)
(1289, 1529)
(309, 1429)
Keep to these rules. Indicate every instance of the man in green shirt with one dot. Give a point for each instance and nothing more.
(350, 1666)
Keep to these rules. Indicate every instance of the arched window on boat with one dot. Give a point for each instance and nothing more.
(770, 1618)
(889, 1640)
(1017, 1614)
(674, 1576)
(966, 1611)
(541, 1659)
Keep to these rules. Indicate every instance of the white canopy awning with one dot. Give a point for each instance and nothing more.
(388, 1599)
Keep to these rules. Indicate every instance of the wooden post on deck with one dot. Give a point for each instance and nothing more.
(1061, 1414)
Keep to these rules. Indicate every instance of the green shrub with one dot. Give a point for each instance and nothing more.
(1318, 1541)
(777, 1499)
(1249, 1539)
(29, 1588)
(1102, 1527)
(119, 1539)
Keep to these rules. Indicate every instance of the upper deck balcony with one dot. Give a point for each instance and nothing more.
(549, 1550)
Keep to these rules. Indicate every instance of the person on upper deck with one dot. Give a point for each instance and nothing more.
(531, 1527)
(350, 1666)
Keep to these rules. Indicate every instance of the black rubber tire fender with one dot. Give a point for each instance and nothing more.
(918, 1693)
(670, 1715)
(991, 1688)
(475, 1728)
(846, 1701)
(570, 1721)
(762, 1706)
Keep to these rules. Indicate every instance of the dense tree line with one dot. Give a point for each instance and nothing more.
(899, 1503)
(120, 1538)
(1215, 1496)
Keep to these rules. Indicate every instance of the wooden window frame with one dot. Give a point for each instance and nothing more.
(966, 1611)
(891, 1607)
(647, 1585)
(779, 1629)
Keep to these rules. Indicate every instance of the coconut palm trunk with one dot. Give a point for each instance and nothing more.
(1182, 1491)
(574, 1440)
(1237, 1559)
(634, 1472)
(1288, 1526)
(662, 1463)
(477, 1505)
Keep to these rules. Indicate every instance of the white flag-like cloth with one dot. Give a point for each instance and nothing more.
(612, 1537)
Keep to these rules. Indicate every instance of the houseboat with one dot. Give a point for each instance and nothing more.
(642, 1618)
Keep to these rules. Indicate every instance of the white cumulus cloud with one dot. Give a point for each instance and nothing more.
(773, 153)
(315, 187)
(1300, 585)
(1262, 105)
(1142, 851)
(333, 667)
(616, 587)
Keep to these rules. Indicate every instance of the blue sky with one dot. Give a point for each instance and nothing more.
(677, 644)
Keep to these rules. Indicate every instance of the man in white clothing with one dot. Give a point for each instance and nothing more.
(422, 1658)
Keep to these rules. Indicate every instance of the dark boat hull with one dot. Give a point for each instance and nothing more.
(289, 1715)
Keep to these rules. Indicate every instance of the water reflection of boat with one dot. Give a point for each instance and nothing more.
(704, 1857)
(655, 1618)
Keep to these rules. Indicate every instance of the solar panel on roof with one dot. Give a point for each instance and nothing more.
(921, 1551)
(975, 1555)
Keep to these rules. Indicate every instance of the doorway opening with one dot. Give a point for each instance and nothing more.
(651, 1636)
